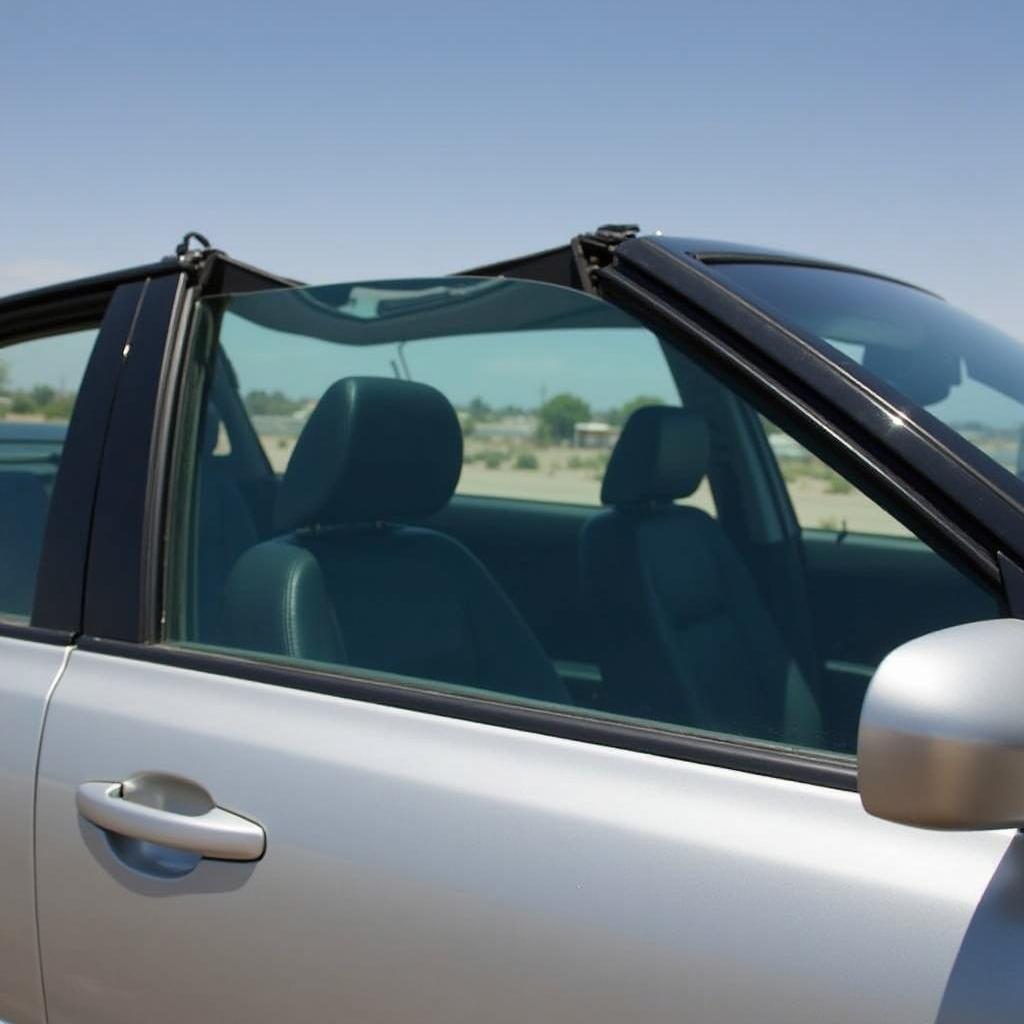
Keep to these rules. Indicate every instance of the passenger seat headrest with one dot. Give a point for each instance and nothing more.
(373, 449)
(662, 454)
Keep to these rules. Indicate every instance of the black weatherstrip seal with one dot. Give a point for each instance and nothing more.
(813, 768)
(23, 631)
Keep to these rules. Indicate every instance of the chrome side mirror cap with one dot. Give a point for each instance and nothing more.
(941, 740)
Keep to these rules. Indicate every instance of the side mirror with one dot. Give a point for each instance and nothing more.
(941, 741)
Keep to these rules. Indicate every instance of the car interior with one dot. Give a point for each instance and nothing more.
(361, 554)
(29, 456)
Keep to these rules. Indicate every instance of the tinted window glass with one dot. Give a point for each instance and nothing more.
(624, 554)
(540, 408)
(822, 499)
(966, 373)
(39, 382)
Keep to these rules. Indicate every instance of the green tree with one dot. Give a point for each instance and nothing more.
(479, 409)
(619, 416)
(59, 407)
(272, 403)
(5, 377)
(558, 415)
(43, 395)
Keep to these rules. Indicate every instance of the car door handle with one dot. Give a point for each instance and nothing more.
(214, 833)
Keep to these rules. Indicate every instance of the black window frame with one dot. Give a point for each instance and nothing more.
(108, 303)
(128, 623)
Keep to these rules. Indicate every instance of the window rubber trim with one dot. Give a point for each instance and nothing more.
(812, 768)
(11, 630)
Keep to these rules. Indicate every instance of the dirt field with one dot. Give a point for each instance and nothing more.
(573, 476)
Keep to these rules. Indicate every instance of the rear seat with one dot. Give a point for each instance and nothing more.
(23, 509)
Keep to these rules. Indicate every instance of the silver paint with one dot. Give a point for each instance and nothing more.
(941, 739)
(206, 830)
(28, 672)
(431, 870)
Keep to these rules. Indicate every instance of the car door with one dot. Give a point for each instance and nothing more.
(60, 353)
(233, 825)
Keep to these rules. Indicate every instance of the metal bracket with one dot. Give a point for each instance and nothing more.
(593, 251)
(192, 259)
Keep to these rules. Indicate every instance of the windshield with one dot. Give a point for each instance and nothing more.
(964, 372)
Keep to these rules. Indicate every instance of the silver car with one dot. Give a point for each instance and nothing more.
(626, 632)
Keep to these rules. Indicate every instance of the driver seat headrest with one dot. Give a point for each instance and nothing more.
(374, 449)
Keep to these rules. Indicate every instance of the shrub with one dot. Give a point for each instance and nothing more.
(526, 460)
(837, 485)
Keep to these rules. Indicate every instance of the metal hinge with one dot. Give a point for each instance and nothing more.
(593, 251)
(192, 259)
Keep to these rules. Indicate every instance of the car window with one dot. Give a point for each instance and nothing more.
(39, 381)
(620, 558)
(540, 409)
(822, 499)
(963, 371)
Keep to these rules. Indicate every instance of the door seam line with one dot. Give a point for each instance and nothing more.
(35, 822)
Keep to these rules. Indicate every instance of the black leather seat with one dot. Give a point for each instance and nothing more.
(23, 510)
(226, 529)
(348, 585)
(682, 632)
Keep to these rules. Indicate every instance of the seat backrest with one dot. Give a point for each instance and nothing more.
(344, 583)
(225, 530)
(682, 631)
(23, 509)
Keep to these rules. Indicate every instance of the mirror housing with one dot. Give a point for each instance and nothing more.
(941, 739)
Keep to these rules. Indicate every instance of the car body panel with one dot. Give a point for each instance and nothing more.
(28, 673)
(420, 868)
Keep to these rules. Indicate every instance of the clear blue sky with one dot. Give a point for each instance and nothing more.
(335, 141)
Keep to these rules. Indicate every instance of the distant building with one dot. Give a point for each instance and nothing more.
(594, 434)
(505, 428)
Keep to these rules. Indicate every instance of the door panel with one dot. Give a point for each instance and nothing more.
(57, 381)
(427, 869)
(27, 674)
(873, 593)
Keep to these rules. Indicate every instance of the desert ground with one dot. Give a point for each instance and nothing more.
(558, 473)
